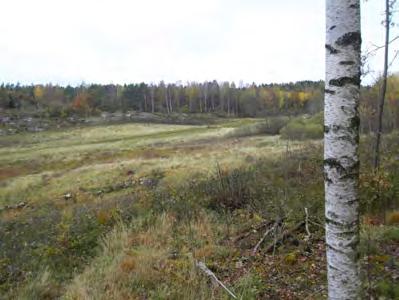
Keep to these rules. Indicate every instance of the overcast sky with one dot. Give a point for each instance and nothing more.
(123, 41)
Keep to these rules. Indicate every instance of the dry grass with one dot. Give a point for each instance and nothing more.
(141, 262)
(86, 163)
(55, 167)
(174, 223)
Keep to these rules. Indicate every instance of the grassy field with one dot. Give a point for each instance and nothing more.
(125, 211)
(40, 168)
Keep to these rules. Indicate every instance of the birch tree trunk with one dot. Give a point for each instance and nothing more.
(205, 89)
(228, 104)
(341, 140)
(166, 101)
(170, 95)
(152, 92)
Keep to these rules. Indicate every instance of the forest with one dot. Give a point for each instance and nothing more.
(213, 97)
(223, 99)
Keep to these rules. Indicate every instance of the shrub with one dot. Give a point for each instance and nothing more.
(376, 192)
(271, 125)
(391, 234)
(303, 128)
(227, 190)
(393, 218)
(387, 290)
(250, 286)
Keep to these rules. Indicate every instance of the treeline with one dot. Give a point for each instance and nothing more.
(208, 97)
(222, 98)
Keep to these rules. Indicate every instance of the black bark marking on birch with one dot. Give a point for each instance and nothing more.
(353, 256)
(332, 27)
(357, 139)
(334, 164)
(326, 178)
(331, 92)
(335, 249)
(351, 176)
(332, 214)
(332, 49)
(355, 166)
(326, 129)
(348, 233)
(350, 255)
(352, 171)
(340, 224)
(336, 128)
(354, 162)
(355, 122)
(344, 81)
(332, 267)
(352, 202)
(346, 138)
(355, 6)
(354, 244)
(347, 62)
(332, 128)
(350, 39)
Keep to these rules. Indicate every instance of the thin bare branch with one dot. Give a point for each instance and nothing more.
(202, 266)
(267, 232)
(376, 48)
(307, 223)
(394, 57)
(283, 235)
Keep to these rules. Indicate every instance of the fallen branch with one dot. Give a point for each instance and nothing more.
(283, 235)
(317, 224)
(111, 188)
(275, 236)
(307, 224)
(208, 272)
(263, 238)
(16, 206)
(248, 232)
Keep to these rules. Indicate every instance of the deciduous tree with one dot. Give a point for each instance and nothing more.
(341, 141)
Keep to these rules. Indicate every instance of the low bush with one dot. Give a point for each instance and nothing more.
(393, 218)
(228, 190)
(303, 128)
(271, 125)
(387, 290)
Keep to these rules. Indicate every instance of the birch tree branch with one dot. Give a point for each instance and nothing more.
(208, 272)
(262, 239)
(307, 223)
(283, 235)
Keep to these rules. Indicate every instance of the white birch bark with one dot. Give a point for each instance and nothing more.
(341, 140)
(152, 92)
